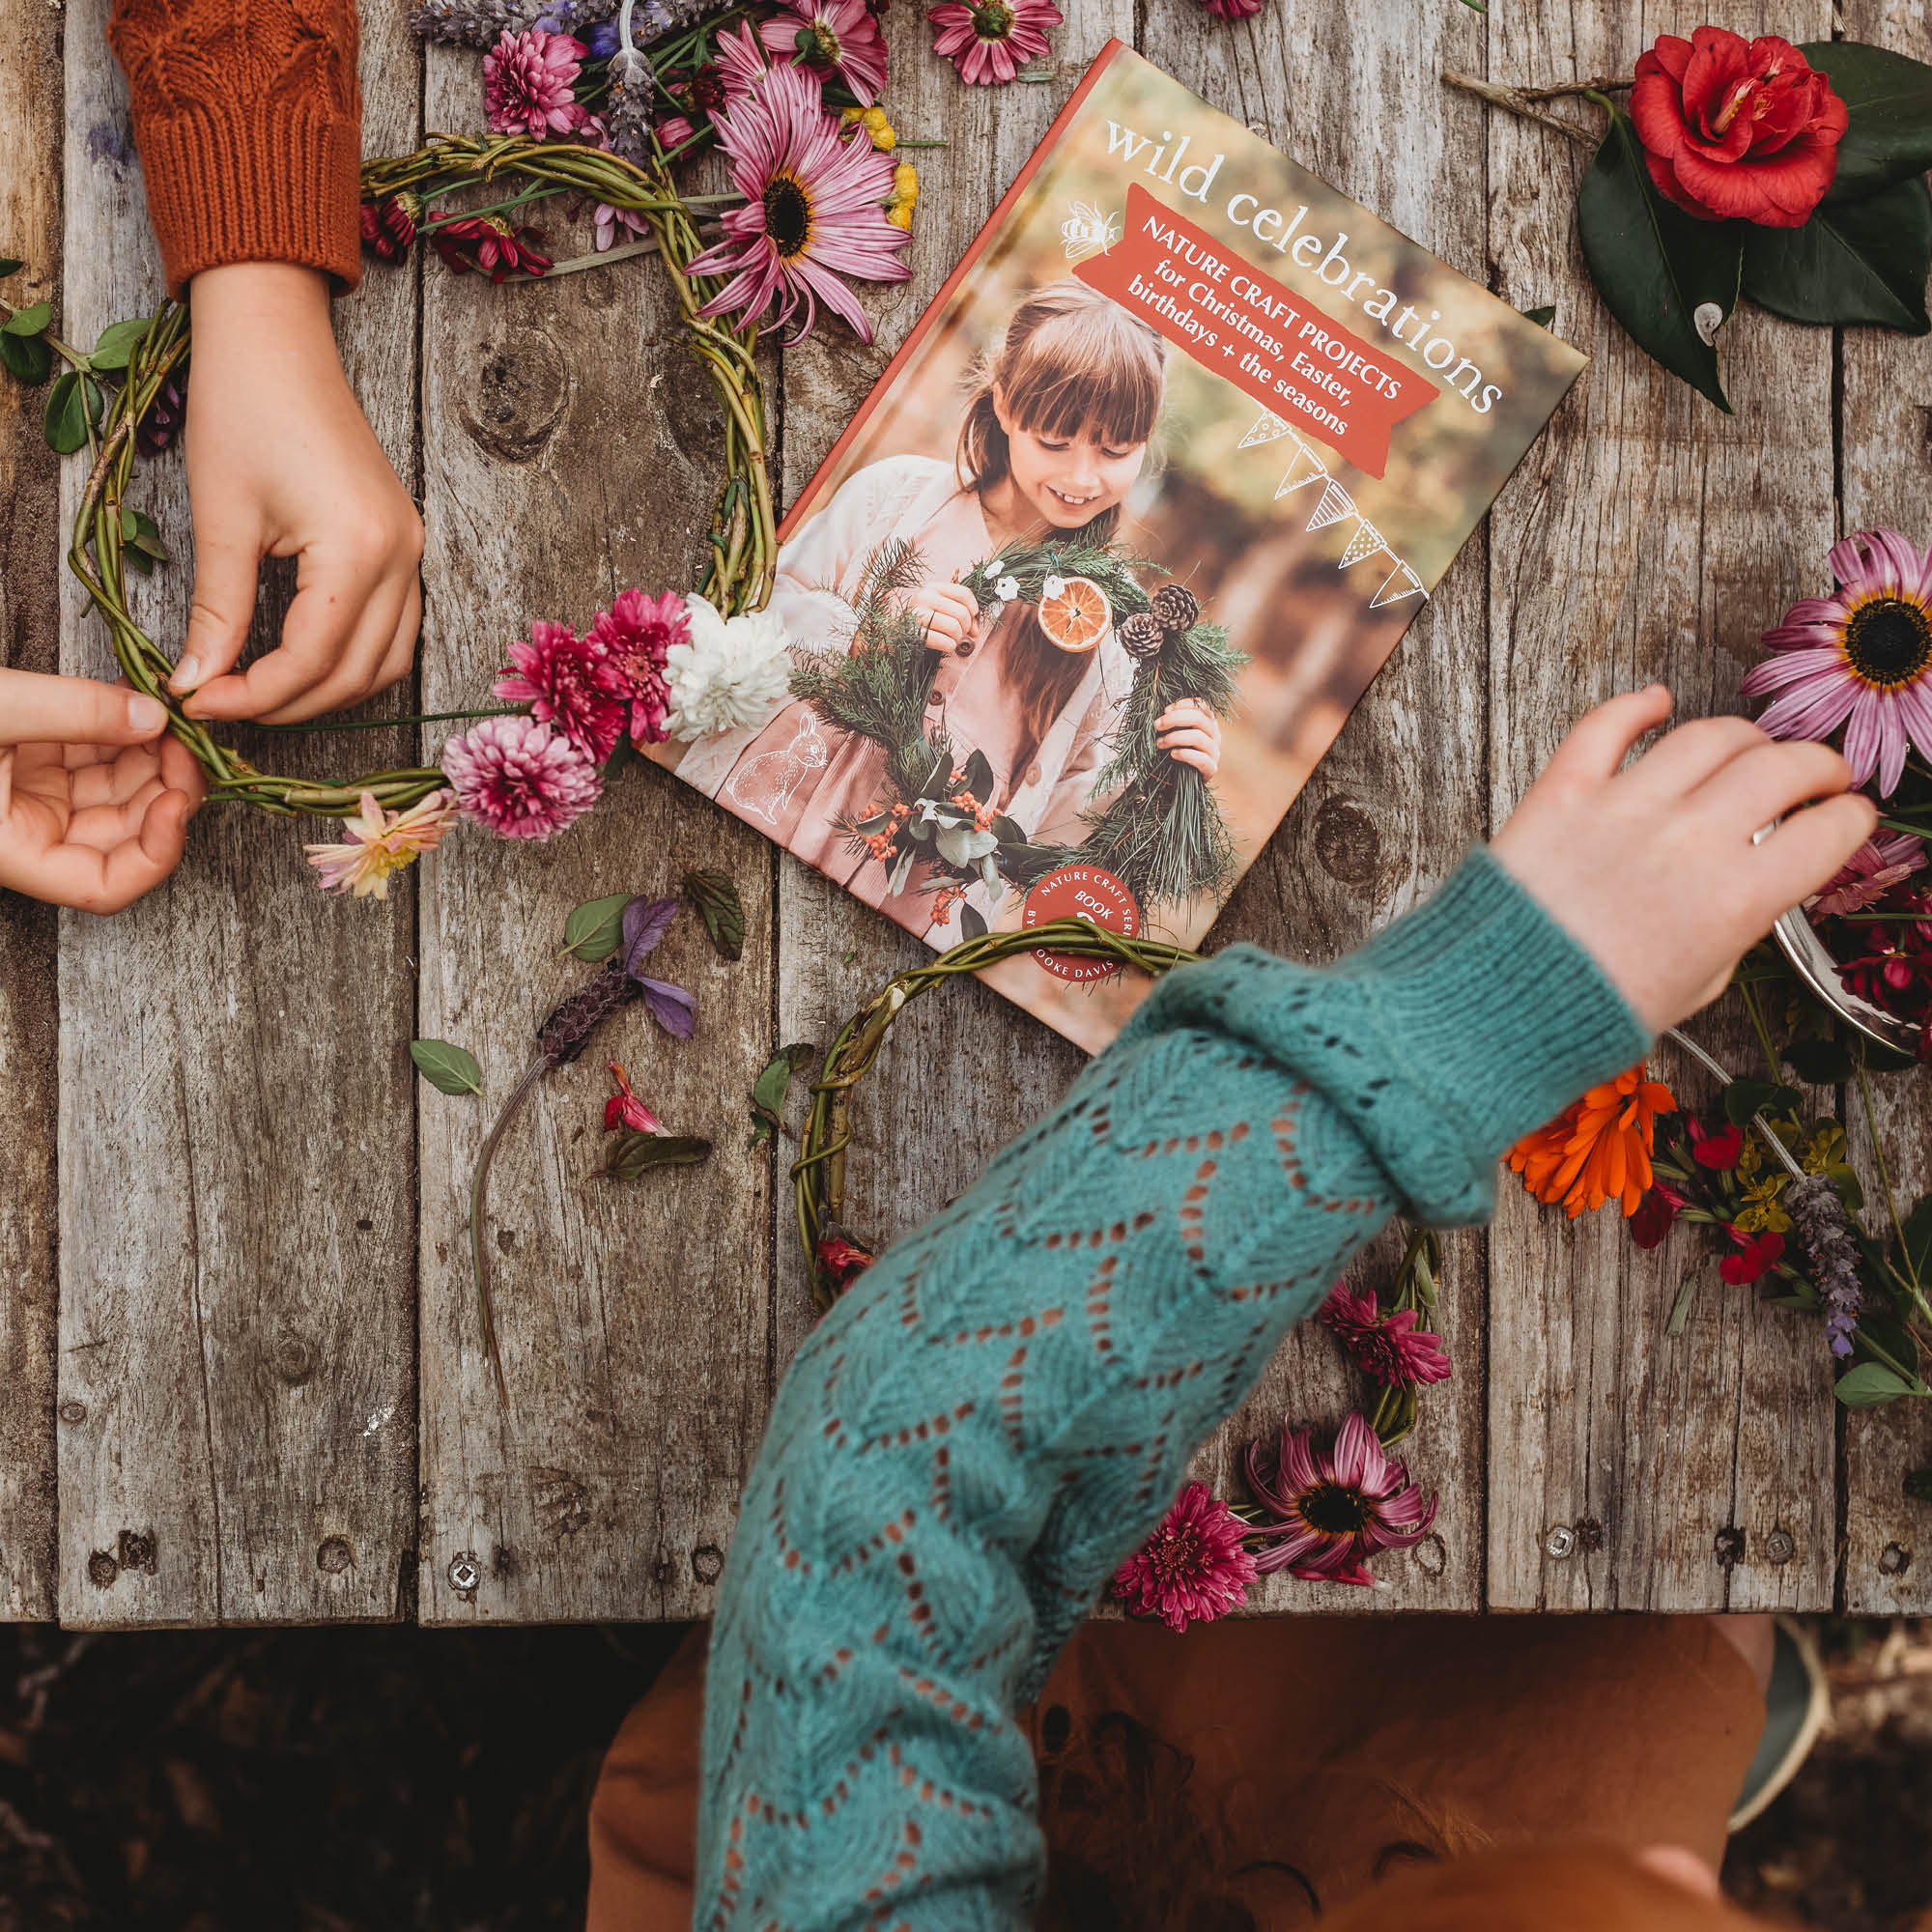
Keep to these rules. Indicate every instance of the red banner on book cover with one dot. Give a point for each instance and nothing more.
(1288, 353)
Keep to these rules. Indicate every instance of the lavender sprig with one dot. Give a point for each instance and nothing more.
(1818, 1220)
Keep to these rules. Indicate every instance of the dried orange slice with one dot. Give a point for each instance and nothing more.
(1079, 617)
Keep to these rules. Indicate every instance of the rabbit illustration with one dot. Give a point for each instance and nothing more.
(777, 775)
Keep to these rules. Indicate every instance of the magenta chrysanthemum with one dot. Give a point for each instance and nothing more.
(567, 681)
(1860, 658)
(1331, 1510)
(520, 778)
(637, 633)
(989, 41)
(1193, 1569)
(832, 37)
(1389, 1348)
(528, 82)
(1231, 9)
(812, 211)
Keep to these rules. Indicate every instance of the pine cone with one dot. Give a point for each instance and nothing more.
(567, 1032)
(1176, 608)
(1141, 635)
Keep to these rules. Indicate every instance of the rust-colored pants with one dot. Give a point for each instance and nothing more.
(1325, 1743)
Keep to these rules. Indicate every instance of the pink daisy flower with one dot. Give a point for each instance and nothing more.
(814, 208)
(741, 66)
(1860, 658)
(567, 681)
(989, 41)
(637, 633)
(1193, 1569)
(1389, 1348)
(382, 842)
(1868, 875)
(832, 37)
(1335, 1508)
(528, 79)
(520, 778)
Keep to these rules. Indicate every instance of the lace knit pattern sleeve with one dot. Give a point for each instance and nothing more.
(248, 119)
(1005, 1401)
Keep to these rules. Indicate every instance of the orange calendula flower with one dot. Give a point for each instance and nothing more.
(1596, 1149)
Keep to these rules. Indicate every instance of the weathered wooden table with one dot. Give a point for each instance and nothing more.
(239, 1379)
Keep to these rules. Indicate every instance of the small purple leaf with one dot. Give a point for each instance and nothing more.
(645, 923)
(671, 1006)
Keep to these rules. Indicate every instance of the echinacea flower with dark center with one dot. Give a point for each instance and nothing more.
(836, 38)
(1195, 1568)
(1328, 1511)
(989, 41)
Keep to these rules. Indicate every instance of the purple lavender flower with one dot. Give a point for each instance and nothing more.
(1818, 1220)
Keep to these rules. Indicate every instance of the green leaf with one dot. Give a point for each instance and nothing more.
(1917, 1485)
(718, 905)
(1869, 1385)
(1889, 102)
(1744, 1098)
(593, 928)
(449, 1070)
(29, 321)
(73, 404)
(632, 1153)
(1653, 265)
(1851, 1189)
(1819, 1063)
(26, 356)
(971, 925)
(1865, 262)
(1542, 316)
(119, 341)
(8, 265)
(1680, 1309)
(1917, 1233)
(768, 1093)
(140, 533)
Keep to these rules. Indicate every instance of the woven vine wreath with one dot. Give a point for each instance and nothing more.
(743, 539)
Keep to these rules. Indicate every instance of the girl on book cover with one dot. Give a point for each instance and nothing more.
(1054, 435)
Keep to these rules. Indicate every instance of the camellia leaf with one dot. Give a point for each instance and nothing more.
(1859, 261)
(449, 1070)
(1654, 266)
(29, 321)
(118, 342)
(1869, 1385)
(1819, 1063)
(26, 356)
(718, 905)
(646, 921)
(73, 404)
(1744, 1098)
(593, 928)
(1888, 98)
(632, 1153)
(671, 1006)
(768, 1093)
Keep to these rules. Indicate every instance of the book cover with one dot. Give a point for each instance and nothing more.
(1121, 536)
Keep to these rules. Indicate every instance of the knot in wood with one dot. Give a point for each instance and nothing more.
(335, 1557)
(102, 1569)
(517, 399)
(138, 1549)
(1729, 1545)
(1348, 845)
(707, 1563)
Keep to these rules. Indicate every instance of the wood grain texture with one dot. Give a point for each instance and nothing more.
(571, 450)
(1646, 536)
(31, 93)
(1886, 480)
(237, 1198)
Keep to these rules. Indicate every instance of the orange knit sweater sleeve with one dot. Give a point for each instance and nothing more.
(249, 123)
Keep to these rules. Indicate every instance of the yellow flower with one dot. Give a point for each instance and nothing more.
(876, 126)
(1763, 1212)
(905, 195)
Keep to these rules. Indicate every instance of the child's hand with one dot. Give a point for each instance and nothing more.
(947, 612)
(94, 800)
(1651, 869)
(1190, 732)
(280, 462)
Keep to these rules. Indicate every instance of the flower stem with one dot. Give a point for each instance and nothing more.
(1517, 101)
(478, 1183)
(1716, 1070)
(383, 723)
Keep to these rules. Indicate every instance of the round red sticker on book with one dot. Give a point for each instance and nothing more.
(1081, 891)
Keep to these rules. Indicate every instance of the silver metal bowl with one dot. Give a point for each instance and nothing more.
(1799, 939)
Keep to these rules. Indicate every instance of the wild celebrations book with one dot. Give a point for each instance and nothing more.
(1120, 538)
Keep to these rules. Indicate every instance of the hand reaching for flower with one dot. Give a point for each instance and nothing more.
(1189, 733)
(94, 800)
(948, 615)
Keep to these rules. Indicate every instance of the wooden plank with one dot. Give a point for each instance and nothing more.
(1884, 470)
(1646, 536)
(30, 223)
(1402, 792)
(570, 447)
(238, 1194)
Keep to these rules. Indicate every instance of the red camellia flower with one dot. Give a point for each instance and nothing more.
(1655, 1213)
(1720, 1151)
(1735, 129)
(1758, 1254)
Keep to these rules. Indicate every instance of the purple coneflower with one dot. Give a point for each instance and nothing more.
(567, 681)
(527, 83)
(740, 66)
(637, 633)
(812, 209)
(1868, 875)
(1860, 658)
(518, 777)
(1389, 1348)
(1193, 1569)
(1333, 1509)
(989, 41)
(832, 37)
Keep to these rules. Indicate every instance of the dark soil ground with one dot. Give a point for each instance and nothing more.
(379, 1780)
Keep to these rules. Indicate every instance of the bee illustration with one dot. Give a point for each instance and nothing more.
(1087, 231)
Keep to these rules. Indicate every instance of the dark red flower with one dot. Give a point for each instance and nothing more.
(1735, 129)
(1389, 1348)
(390, 226)
(707, 90)
(1720, 1151)
(841, 1258)
(156, 428)
(487, 242)
(1655, 1213)
(1758, 1254)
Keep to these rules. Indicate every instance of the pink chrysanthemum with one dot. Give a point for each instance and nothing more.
(814, 208)
(528, 79)
(1333, 1509)
(520, 778)
(1231, 9)
(741, 66)
(1193, 1569)
(1868, 875)
(567, 681)
(989, 41)
(832, 37)
(382, 842)
(1390, 1347)
(637, 633)
(1860, 658)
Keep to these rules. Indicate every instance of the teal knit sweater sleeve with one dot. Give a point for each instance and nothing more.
(1004, 1405)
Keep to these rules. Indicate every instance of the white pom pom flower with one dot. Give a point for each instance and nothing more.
(733, 675)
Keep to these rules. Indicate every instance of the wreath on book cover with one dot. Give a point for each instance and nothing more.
(1160, 834)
